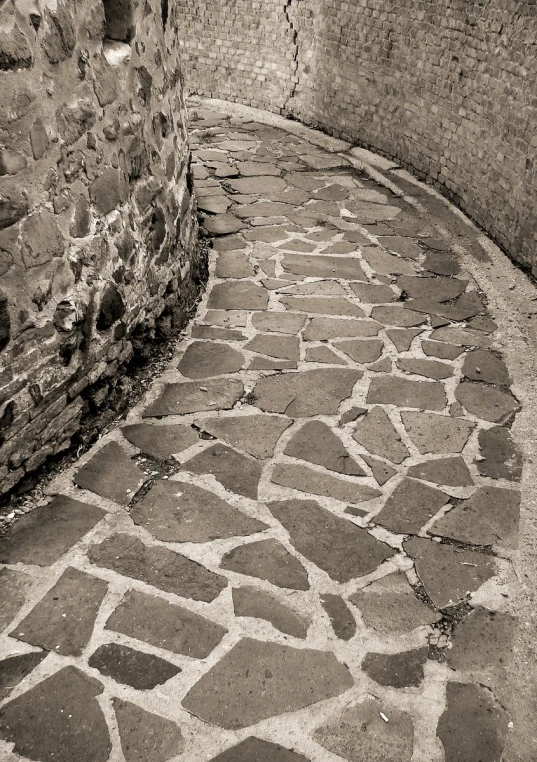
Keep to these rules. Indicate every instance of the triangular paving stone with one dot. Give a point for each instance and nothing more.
(486, 402)
(326, 328)
(208, 358)
(361, 351)
(238, 295)
(313, 392)
(500, 458)
(257, 680)
(157, 566)
(14, 586)
(160, 442)
(193, 397)
(322, 305)
(63, 620)
(110, 473)
(238, 473)
(382, 472)
(14, 669)
(453, 472)
(253, 602)
(307, 480)
(341, 618)
(268, 560)
(427, 368)
(392, 390)
(448, 574)
(410, 506)
(165, 625)
(144, 736)
(482, 643)
(379, 436)
(343, 268)
(126, 665)
(256, 750)
(175, 511)
(44, 535)
(66, 724)
(317, 443)
(337, 546)
(397, 315)
(436, 433)
(324, 355)
(278, 322)
(402, 338)
(437, 289)
(273, 345)
(255, 434)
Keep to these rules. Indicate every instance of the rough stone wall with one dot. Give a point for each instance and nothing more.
(97, 228)
(449, 89)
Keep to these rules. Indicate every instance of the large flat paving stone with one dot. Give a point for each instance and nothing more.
(233, 264)
(308, 393)
(268, 560)
(14, 669)
(238, 473)
(486, 402)
(326, 328)
(255, 434)
(257, 680)
(223, 224)
(441, 350)
(453, 472)
(256, 750)
(341, 618)
(157, 566)
(263, 185)
(193, 397)
(165, 625)
(401, 670)
(322, 305)
(253, 602)
(42, 536)
(317, 443)
(160, 442)
(66, 724)
(402, 338)
(14, 586)
(481, 365)
(410, 506)
(63, 620)
(337, 546)
(396, 314)
(306, 479)
(370, 293)
(238, 295)
(466, 306)
(500, 458)
(361, 351)
(144, 736)
(378, 435)
(317, 288)
(386, 264)
(181, 512)
(382, 471)
(110, 473)
(436, 433)
(482, 643)
(214, 333)
(208, 358)
(274, 345)
(464, 337)
(278, 322)
(392, 390)
(436, 289)
(427, 368)
(318, 266)
(131, 667)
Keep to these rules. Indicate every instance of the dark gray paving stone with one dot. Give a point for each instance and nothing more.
(179, 399)
(253, 602)
(378, 435)
(295, 244)
(14, 587)
(307, 480)
(333, 192)
(216, 204)
(463, 337)
(402, 338)
(483, 323)
(402, 246)
(263, 186)
(466, 306)
(382, 471)
(229, 243)
(340, 616)
(390, 606)
(63, 620)
(255, 750)
(308, 393)
(410, 506)
(44, 535)
(208, 358)
(269, 363)
(427, 368)
(216, 334)
(324, 355)
(359, 733)
(361, 351)
(322, 305)
(256, 168)
(144, 736)
(222, 224)
(160, 442)
(436, 289)
(382, 366)
(369, 293)
(392, 390)
(436, 433)
(278, 322)
(489, 517)
(238, 295)
(386, 264)
(486, 402)
(274, 345)
(131, 667)
(396, 314)
(324, 328)
(500, 457)
(441, 350)
(257, 680)
(317, 443)
(225, 318)
(337, 546)
(483, 642)
(447, 573)
(157, 566)
(238, 473)
(402, 670)
(272, 209)
(66, 724)
(473, 725)
(481, 365)
(268, 560)
(255, 434)
(14, 669)
(365, 210)
(452, 472)
(165, 625)
(318, 266)
(441, 263)
(351, 415)
(112, 474)
(270, 234)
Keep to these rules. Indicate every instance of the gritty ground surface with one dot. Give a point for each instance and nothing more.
(299, 546)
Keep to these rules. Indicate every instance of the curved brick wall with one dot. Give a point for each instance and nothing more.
(97, 231)
(449, 89)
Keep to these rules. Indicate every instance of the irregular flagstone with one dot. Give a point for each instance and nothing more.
(160, 442)
(257, 680)
(165, 625)
(464, 337)
(361, 351)
(324, 328)
(226, 318)
(44, 535)
(396, 314)
(410, 506)
(131, 667)
(295, 244)
(382, 472)
(324, 305)
(318, 266)
(382, 366)
(265, 209)
(376, 433)
(337, 546)
(263, 185)
(482, 643)
(283, 347)
(215, 204)
(255, 750)
(441, 350)
(315, 482)
(427, 368)
(181, 512)
(489, 517)
(216, 334)
(268, 560)
(440, 262)
(448, 574)
(255, 434)
(238, 295)
(481, 365)
(402, 246)
(473, 725)
(63, 620)
(237, 472)
(436, 433)
(14, 669)
(278, 322)
(500, 458)
(111, 473)
(254, 168)
(207, 358)
(144, 736)
(270, 234)
(436, 289)
(372, 294)
(393, 390)
(66, 724)
(390, 606)
(486, 402)
(253, 602)
(157, 566)
(317, 443)
(466, 306)
(269, 363)
(371, 211)
(233, 264)
(452, 472)
(360, 733)
(401, 670)
(312, 392)
(222, 224)
(317, 288)
(179, 399)
(402, 338)
(14, 586)
(340, 616)
(386, 264)
(351, 415)
(324, 355)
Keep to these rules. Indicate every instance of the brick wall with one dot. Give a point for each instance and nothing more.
(97, 228)
(449, 89)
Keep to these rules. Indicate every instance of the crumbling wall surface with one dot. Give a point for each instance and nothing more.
(97, 228)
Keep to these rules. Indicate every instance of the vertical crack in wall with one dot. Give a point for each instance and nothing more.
(294, 72)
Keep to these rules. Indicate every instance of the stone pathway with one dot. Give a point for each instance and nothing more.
(296, 550)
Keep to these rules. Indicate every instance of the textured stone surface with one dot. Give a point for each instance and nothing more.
(14, 586)
(436, 433)
(382, 472)
(178, 399)
(313, 392)
(256, 750)
(238, 295)
(307, 480)
(410, 506)
(252, 602)
(452, 472)
(427, 368)
(146, 737)
(324, 267)
(402, 338)
(500, 458)
(135, 668)
(255, 434)
(325, 328)
(361, 351)
(486, 402)
(340, 616)
(401, 670)
(279, 322)
(160, 442)
(322, 305)
(391, 390)
(268, 560)
(436, 289)
(232, 469)
(377, 434)
(481, 365)
(111, 474)
(206, 358)
(283, 347)
(15, 668)
(316, 443)
(482, 642)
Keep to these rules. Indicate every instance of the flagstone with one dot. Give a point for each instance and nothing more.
(378, 435)
(282, 347)
(316, 288)
(481, 365)
(402, 338)
(436, 289)
(372, 294)
(382, 471)
(361, 351)
(410, 506)
(486, 402)
(306, 479)
(427, 368)
(233, 264)
(500, 458)
(440, 262)
(466, 306)
(400, 670)
(325, 328)
(317, 443)
(453, 472)
(225, 318)
(441, 350)
(111, 473)
(236, 472)
(160, 442)
(202, 359)
(14, 586)
(256, 603)
(222, 224)
(238, 295)
(278, 322)
(393, 390)
(193, 397)
(386, 264)
(263, 185)
(312, 392)
(15, 668)
(341, 618)
(323, 355)
(396, 314)
(464, 337)
(322, 305)
(436, 433)
(268, 363)
(318, 266)
(144, 736)
(255, 434)
(256, 750)
(483, 643)
(128, 666)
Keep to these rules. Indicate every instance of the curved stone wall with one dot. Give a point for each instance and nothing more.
(448, 89)
(97, 230)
